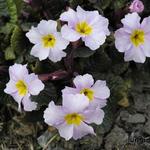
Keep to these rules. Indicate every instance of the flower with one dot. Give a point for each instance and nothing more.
(27, 1)
(96, 93)
(136, 6)
(91, 27)
(72, 118)
(22, 85)
(48, 42)
(133, 38)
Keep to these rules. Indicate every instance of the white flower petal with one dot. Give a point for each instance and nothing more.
(98, 103)
(69, 90)
(146, 46)
(18, 72)
(145, 25)
(70, 17)
(82, 130)
(35, 86)
(61, 43)
(65, 131)
(47, 27)
(69, 34)
(10, 87)
(81, 14)
(53, 115)
(18, 99)
(33, 35)
(39, 51)
(94, 116)
(93, 17)
(122, 40)
(135, 54)
(95, 40)
(28, 105)
(135, 23)
(100, 89)
(75, 103)
(85, 81)
(56, 55)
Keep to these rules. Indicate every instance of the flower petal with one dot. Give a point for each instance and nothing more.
(81, 14)
(65, 131)
(69, 90)
(18, 72)
(35, 86)
(135, 23)
(69, 34)
(145, 25)
(70, 17)
(95, 40)
(28, 105)
(75, 103)
(47, 27)
(100, 89)
(56, 55)
(61, 43)
(98, 103)
(10, 87)
(146, 46)
(39, 51)
(94, 116)
(53, 115)
(135, 54)
(18, 99)
(85, 81)
(122, 40)
(33, 35)
(82, 130)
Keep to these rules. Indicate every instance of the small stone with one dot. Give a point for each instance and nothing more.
(116, 138)
(136, 118)
(124, 115)
(147, 127)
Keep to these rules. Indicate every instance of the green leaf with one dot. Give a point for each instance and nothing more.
(104, 3)
(3, 8)
(7, 29)
(12, 8)
(17, 40)
(18, 5)
(83, 52)
(9, 54)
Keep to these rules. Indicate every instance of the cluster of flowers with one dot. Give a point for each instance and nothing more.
(92, 29)
(82, 104)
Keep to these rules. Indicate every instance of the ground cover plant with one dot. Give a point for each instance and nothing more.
(74, 74)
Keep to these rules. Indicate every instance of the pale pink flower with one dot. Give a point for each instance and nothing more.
(48, 42)
(136, 6)
(97, 93)
(22, 85)
(134, 38)
(90, 26)
(72, 118)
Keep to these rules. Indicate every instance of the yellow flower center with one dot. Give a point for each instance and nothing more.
(21, 87)
(83, 28)
(137, 37)
(88, 92)
(74, 118)
(49, 41)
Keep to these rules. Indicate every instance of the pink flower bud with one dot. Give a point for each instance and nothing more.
(136, 6)
(27, 1)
